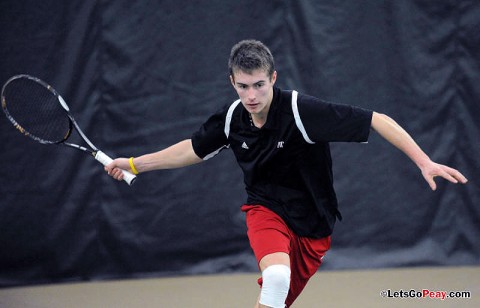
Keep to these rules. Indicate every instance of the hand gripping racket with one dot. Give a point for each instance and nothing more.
(39, 112)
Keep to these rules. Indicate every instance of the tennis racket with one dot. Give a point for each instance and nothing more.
(39, 112)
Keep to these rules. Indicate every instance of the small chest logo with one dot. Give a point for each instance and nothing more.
(244, 146)
(280, 144)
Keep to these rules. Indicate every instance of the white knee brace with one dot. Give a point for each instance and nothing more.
(276, 282)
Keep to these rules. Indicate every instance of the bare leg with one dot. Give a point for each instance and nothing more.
(257, 304)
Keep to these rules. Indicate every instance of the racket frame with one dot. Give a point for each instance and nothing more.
(94, 151)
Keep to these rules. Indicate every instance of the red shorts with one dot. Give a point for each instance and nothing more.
(268, 234)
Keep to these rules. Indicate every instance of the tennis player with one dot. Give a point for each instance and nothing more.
(281, 141)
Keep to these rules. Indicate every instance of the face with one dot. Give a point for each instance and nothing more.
(255, 90)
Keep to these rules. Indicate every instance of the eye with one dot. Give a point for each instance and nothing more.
(241, 86)
(259, 85)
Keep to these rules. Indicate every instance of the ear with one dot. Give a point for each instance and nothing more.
(232, 81)
(274, 77)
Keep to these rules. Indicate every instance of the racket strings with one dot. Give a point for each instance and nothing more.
(36, 110)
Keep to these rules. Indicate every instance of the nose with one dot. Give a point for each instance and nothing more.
(251, 94)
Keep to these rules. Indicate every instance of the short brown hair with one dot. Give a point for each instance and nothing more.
(250, 55)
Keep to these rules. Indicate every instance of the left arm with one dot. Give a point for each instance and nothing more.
(396, 135)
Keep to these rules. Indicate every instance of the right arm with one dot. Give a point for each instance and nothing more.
(397, 136)
(176, 156)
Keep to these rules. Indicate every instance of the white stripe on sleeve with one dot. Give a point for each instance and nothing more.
(228, 118)
(298, 120)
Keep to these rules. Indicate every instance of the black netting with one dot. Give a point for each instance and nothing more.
(35, 110)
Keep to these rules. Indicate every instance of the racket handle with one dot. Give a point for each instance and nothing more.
(105, 160)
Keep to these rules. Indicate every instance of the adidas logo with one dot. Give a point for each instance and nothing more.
(244, 146)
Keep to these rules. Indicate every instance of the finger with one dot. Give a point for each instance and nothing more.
(431, 182)
(118, 174)
(453, 175)
(448, 177)
(457, 175)
(109, 167)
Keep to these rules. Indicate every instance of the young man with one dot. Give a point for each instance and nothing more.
(281, 142)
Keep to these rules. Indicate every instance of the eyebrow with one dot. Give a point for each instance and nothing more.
(255, 83)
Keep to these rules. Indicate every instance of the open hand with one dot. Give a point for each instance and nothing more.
(432, 170)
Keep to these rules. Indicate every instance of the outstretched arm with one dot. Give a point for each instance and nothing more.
(178, 155)
(396, 135)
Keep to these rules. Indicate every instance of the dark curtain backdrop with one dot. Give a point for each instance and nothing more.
(142, 75)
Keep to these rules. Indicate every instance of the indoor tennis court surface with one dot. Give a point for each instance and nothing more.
(326, 289)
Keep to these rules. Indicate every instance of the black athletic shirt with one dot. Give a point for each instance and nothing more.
(287, 164)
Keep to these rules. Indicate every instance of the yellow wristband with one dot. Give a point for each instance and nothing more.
(132, 166)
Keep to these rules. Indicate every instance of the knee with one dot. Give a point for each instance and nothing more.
(276, 282)
(276, 276)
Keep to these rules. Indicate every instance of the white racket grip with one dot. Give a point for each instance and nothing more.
(105, 160)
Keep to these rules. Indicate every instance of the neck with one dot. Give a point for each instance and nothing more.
(258, 120)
